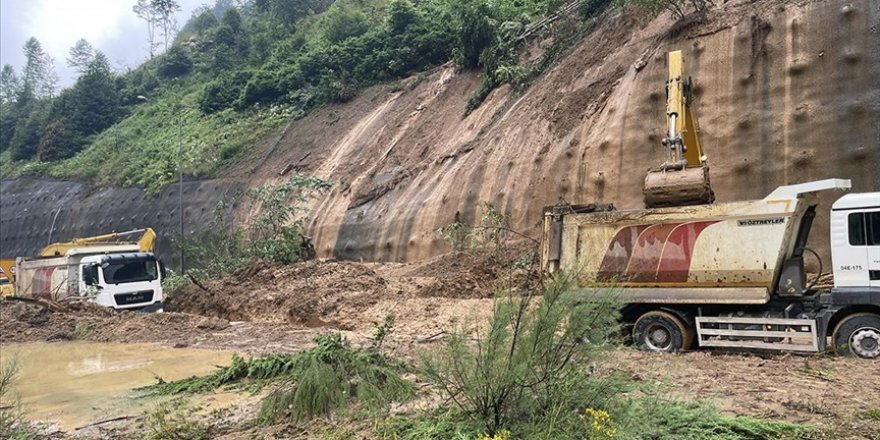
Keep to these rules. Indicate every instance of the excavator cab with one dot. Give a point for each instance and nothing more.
(683, 179)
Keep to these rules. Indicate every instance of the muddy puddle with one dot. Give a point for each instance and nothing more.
(73, 384)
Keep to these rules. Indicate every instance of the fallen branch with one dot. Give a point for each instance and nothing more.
(197, 283)
(431, 338)
(101, 422)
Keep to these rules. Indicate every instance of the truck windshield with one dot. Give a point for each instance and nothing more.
(130, 271)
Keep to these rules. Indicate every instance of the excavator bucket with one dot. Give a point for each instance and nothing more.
(689, 186)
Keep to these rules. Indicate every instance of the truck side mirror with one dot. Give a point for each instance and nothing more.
(90, 274)
(162, 268)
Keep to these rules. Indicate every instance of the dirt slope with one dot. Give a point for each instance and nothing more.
(787, 91)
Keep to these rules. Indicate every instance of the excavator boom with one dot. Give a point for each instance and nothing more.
(146, 239)
(683, 179)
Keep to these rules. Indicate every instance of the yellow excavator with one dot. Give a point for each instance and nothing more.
(683, 179)
(145, 239)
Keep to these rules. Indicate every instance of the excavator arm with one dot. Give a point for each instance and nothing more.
(144, 238)
(683, 179)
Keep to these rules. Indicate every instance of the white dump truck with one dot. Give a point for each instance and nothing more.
(729, 274)
(117, 276)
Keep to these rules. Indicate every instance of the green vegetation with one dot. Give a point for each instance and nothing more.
(82, 330)
(314, 382)
(13, 426)
(531, 362)
(174, 420)
(528, 373)
(489, 236)
(274, 234)
(238, 70)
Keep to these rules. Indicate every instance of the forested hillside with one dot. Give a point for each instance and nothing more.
(239, 69)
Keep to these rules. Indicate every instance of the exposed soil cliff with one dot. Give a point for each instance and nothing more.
(787, 91)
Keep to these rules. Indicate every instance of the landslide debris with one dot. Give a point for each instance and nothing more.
(331, 293)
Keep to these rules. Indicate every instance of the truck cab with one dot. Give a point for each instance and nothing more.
(124, 280)
(855, 242)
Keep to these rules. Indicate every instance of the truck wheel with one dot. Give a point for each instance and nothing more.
(663, 332)
(858, 335)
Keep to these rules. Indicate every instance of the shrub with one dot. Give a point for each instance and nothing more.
(312, 382)
(176, 62)
(529, 361)
(12, 423)
(175, 420)
(224, 91)
(274, 234)
(489, 235)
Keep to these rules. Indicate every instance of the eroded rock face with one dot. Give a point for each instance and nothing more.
(787, 92)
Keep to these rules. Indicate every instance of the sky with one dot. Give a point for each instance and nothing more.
(109, 25)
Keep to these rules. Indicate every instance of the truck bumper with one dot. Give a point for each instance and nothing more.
(156, 307)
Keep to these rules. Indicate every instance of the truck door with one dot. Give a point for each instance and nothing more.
(872, 224)
(849, 248)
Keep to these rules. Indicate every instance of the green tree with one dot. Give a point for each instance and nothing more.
(81, 55)
(29, 127)
(95, 103)
(231, 42)
(475, 32)
(343, 23)
(164, 11)
(9, 84)
(176, 62)
(145, 11)
(34, 69)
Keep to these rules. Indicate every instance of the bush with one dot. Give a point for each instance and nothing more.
(224, 91)
(13, 426)
(274, 234)
(475, 32)
(489, 235)
(175, 420)
(530, 361)
(312, 382)
(176, 62)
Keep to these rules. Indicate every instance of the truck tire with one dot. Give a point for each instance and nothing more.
(662, 332)
(858, 335)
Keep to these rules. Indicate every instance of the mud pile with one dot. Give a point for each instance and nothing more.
(353, 296)
(22, 322)
(301, 293)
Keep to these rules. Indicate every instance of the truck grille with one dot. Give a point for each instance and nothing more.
(133, 298)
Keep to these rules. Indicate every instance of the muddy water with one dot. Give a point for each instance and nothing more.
(75, 383)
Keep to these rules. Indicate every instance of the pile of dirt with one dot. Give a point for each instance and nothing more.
(330, 293)
(22, 322)
(304, 294)
(471, 274)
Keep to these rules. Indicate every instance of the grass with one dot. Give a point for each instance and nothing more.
(142, 149)
(13, 426)
(313, 382)
(176, 420)
(870, 414)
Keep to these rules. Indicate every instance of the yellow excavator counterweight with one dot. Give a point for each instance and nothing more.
(683, 179)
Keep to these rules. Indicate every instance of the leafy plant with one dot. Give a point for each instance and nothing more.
(82, 330)
(12, 423)
(528, 359)
(274, 234)
(489, 235)
(312, 382)
(175, 420)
